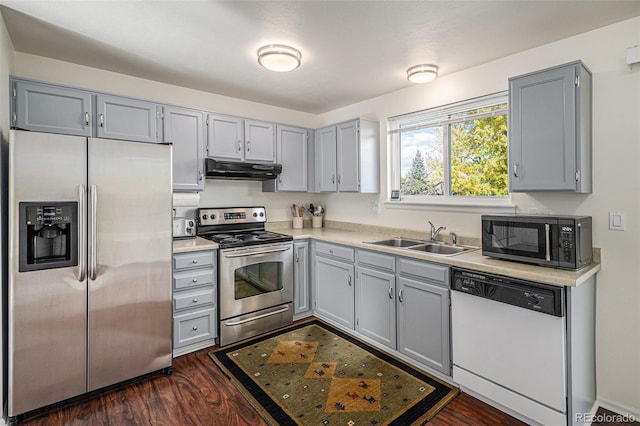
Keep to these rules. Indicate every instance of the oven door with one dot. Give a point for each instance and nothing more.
(525, 239)
(255, 278)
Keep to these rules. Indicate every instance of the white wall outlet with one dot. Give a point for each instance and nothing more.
(616, 221)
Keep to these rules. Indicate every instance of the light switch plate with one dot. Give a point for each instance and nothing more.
(616, 221)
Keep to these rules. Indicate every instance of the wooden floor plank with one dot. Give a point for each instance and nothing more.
(197, 393)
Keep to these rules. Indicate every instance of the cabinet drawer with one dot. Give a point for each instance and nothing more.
(332, 250)
(424, 270)
(193, 278)
(194, 259)
(194, 327)
(377, 260)
(194, 299)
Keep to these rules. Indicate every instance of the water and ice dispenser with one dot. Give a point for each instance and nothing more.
(48, 235)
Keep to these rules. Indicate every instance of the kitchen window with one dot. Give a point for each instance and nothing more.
(454, 155)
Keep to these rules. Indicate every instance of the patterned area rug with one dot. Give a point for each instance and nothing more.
(313, 374)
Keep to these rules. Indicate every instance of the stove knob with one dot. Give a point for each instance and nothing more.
(255, 214)
(213, 216)
(190, 223)
(261, 214)
(204, 217)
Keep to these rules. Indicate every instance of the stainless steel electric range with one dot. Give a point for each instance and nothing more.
(255, 271)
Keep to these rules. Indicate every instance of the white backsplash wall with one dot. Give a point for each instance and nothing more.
(231, 193)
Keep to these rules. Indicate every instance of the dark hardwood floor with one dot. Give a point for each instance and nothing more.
(197, 393)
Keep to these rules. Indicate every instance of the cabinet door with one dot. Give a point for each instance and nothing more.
(291, 152)
(542, 132)
(326, 159)
(52, 109)
(126, 119)
(301, 299)
(376, 305)
(225, 138)
(348, 164)
(423, 323)
(259, 141)
(334, 291)
(184, 128)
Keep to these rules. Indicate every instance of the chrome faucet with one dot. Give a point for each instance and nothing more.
(435, 231)
(454, 238)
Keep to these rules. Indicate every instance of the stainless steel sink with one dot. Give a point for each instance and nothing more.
(441, 249)
(396, 242)
(431, 247)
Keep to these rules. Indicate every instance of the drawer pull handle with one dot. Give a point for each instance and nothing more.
(195, 327)
(331, 251)
(195, 280)
(195, 300)
(194, 261)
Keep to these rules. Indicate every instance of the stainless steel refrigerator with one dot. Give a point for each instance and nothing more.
(89, 283)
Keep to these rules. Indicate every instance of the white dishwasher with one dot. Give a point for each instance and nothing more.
(509, 343)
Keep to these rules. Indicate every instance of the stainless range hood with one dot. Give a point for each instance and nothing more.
(241, 171)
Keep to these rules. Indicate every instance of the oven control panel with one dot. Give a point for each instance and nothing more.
(233, 215)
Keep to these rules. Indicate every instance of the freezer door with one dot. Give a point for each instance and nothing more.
(46, 308)
(129, 268)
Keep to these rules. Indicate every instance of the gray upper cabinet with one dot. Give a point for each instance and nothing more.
(184, 128)
(236, 139)
(347, 157)
(291, 152)
(259, 141)
(550, 130)
(225, 137)
(53, 109)
(126, 119)
(326, 159)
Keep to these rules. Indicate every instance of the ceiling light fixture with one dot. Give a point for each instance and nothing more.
(279, 58)
(422, 73)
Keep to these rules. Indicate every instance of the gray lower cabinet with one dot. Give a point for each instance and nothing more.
(184, 128)
(376, 297)
(126, 119)
(550, 130)
(194, 301)
(49, 108)
(423, 323)
(301, 277)
(334, 295)
(292, 153)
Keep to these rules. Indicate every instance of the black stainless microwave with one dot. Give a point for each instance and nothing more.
(556, 241)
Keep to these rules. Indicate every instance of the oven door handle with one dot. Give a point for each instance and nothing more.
(268, 314)
(257, 253)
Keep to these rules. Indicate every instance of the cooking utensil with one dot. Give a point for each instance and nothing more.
(294, 210)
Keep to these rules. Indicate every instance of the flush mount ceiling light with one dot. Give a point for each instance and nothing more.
(278, 57)
(422, 73)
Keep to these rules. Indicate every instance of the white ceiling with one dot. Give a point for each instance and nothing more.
(351, 50)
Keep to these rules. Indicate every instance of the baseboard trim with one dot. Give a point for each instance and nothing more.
(618, 408)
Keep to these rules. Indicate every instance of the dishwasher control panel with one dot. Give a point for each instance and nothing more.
(539, 297)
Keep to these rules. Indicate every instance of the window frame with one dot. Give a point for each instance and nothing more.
(441, 116)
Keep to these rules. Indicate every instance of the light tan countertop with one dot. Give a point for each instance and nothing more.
(471, 260)
(186, 245)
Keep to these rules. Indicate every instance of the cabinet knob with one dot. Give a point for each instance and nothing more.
(101, 120)
(86, 118)
(195, 280)
(200, 175)
(349, 280)
(333, 178)
(390, 293)
(195, 300)
(248, 145)
(400, 296)
(195, 327)
(239, 145)
(515, 168)
(338, 178)
(194, 261)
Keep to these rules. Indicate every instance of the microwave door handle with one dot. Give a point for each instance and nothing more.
(256, 254)
(579, 245)
(547, 242)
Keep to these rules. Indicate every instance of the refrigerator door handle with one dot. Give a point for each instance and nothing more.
(93, 194)
(82, 232)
